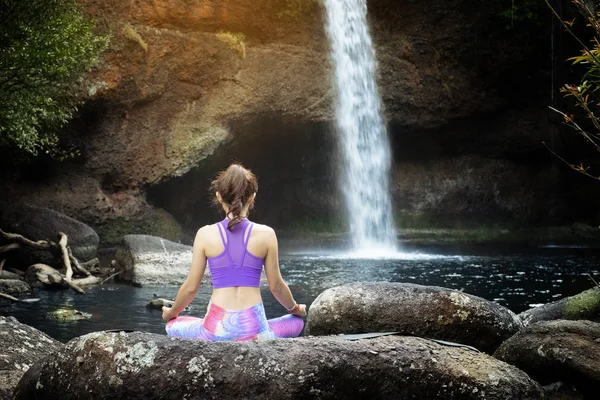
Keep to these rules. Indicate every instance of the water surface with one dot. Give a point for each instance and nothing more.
(514, 279)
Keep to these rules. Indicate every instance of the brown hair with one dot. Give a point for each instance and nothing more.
(236, 185)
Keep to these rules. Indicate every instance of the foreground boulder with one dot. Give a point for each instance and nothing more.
(567, 351)
(21, 346)
(149, 366)
(151, 260)
(38, 223)
(585, 305)
(425, 311)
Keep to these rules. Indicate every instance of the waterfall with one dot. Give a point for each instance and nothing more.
(364, 144)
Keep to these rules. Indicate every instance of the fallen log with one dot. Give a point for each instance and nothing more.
(51, 277)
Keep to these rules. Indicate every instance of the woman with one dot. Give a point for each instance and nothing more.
(236, 250)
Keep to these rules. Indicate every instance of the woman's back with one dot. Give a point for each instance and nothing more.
(224, 248)
(235, 250)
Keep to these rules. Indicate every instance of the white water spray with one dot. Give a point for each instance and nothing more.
(363, 138)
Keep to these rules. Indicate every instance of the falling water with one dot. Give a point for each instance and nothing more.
(363, 138)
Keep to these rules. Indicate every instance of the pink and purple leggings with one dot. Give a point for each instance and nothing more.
(220, 324)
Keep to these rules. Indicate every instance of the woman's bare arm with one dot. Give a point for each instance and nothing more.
(190, 286)
(277, 285)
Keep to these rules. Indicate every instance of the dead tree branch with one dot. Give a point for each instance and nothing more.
(9, 247)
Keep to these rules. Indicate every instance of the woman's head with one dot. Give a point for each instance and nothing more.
(235, 189)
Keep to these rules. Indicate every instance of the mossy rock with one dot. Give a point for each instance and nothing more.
(585, 305)
(68, 315)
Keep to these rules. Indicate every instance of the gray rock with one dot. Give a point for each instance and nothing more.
(585, 305)
(425, 311)
(149, 366)
(21, 346)
(38, 223)
(560, 350)
(151, 260)
(160, 303)
(9, 275)
(14, 286)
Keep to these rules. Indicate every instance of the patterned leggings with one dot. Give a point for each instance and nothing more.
(220, 324)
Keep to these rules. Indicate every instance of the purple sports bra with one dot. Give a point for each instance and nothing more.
(235, 266)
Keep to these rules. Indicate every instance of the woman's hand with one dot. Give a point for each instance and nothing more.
(167, 315)
(301, 311)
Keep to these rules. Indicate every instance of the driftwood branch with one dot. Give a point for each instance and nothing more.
(8, 296)
(76, 265)
(87, 281)
(94, 262)
(23, 241)
(49, 275)
(62, 243)
(111, 276)
(9, 247)
(2, 264)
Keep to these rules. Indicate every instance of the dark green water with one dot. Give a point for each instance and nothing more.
(515, 279)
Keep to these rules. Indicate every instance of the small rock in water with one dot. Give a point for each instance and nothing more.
(159, 303)
(68, 315)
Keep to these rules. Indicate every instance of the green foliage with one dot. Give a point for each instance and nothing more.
(45, 47)
(523, 12)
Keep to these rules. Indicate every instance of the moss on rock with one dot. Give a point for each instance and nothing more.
(585, 303)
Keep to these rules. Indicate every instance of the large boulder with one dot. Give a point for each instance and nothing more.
(585, 305)
(149, 366)
(21, 347)
(14, 286)
(425, 311)
(550, 351)
(151, 260)
(37, 223)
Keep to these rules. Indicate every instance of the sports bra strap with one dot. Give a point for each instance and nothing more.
(225, 241)
(225, 238)
(246, 239)
(247, 234)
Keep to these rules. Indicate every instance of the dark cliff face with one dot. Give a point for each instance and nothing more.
(188, 87)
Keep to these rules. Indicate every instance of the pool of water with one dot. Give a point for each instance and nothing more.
(515, 279)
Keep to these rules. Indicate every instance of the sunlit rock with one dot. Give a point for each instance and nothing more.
(425, 311)
(149, 366)
(585, 305)
(151, 260)
(550, 351)
(20, 347)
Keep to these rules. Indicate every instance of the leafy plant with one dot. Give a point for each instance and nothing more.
(585, 94)
(45, 48)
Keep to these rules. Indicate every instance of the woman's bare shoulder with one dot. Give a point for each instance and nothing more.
(264, 229)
